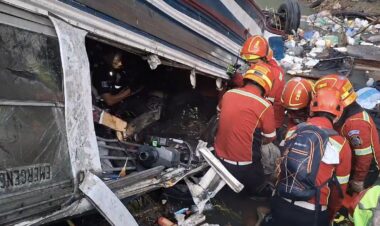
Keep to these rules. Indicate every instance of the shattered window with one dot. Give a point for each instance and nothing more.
(33, 145)
(30, 66)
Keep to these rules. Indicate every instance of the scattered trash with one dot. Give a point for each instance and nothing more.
(311, 48)
(311, 62)
(331, 40)
(370, 81)
(181, 211)
(368, 97)
(193, 220)
(207, 207)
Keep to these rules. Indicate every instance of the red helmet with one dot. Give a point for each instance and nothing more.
(255, 47)
(327, 100)
(262, 75)
(340, 83)
(297, 93)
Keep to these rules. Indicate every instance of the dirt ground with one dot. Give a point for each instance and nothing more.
(367, 6)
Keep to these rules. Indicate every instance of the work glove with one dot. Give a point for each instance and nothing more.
(356, 186)
(231, 69)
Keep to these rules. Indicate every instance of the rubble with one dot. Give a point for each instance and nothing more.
(331, 38)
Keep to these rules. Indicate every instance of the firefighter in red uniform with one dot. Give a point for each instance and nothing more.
(243, 111)
(296, 98)
(359, 129)
(275, 95)
(325, 108)
(256, 50)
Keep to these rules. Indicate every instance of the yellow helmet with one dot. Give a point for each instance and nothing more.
(340, 83)
(262, 75)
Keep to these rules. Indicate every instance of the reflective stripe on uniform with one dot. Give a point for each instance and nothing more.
(271, 99)
(269, 135)
(343, 179)
(363, 151)
(366, 116)
(337, 146)
(251, 95)
(289, 133)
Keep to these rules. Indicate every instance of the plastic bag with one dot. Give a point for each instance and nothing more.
(368, 97)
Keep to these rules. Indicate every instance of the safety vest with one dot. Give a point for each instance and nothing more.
(367, 211)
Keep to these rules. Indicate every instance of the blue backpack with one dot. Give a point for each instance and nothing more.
(304, 150)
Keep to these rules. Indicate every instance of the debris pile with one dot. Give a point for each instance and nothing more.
(331, 41)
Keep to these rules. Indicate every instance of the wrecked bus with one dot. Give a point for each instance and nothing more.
(52, 156)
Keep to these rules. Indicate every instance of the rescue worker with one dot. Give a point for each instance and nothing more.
(325, 108)
(359, 129)
(275, 95)
(296, 98)
(242, 112)
(361, 209)
(256, 50)
(111, 83)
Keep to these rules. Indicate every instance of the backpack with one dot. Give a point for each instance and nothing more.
(304, 150)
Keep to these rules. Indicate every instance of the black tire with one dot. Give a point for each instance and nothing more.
(290, 15)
